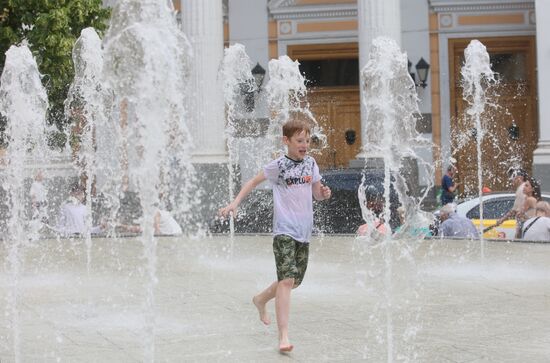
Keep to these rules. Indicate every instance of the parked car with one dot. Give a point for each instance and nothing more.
(342, 212)
(495, 205)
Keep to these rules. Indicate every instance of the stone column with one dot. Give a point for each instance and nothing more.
(541, 159)
(375, 18)
(202, 22)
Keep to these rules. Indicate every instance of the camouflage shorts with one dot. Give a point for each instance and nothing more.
(290, 258)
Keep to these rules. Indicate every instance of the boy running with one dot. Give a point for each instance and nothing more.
(295, 178)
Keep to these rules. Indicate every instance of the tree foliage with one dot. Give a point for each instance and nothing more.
(50, 28)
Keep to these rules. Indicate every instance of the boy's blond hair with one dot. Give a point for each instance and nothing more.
(297, 123)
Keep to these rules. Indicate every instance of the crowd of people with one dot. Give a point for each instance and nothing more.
(531, 213)
(72, 217)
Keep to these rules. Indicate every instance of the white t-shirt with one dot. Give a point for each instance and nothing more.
(539, 230)
(72, 218)
(38, 192)
(292, 195)
(167, 224)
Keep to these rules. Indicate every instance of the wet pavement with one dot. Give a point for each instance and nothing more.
(425, 301)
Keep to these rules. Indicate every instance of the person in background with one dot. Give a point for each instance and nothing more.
(517, 177)
(531, 189)
(448, 185)
(543, 207)
(39, 199)
(163, 223)
(73, 213)
(375, 205)
(538, 227)
(412, 230)
(453, 225)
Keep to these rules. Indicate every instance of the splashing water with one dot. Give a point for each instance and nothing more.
(391, 106)
(23, 101)
(237, 80)
(477, 78)
(84, 105)
(147, 64)
(286, 91)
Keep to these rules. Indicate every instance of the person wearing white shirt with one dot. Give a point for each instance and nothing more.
(538, 227)
(38, 196)
(73, 215)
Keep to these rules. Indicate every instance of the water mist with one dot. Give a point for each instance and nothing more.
(391, 138)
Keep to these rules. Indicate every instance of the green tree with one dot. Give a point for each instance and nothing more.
(51, 28)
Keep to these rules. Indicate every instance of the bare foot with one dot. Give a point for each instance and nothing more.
(285, 346)
(261, 309)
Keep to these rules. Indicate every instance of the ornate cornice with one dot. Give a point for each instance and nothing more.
(440, 6)
(284, 11)
(280, 3)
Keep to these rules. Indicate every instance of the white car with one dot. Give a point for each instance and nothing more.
(495, 205)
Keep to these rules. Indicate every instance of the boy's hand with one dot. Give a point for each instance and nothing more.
(325, 192)
(227, 211)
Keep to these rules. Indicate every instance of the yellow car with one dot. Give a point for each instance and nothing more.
(507, 230)
(495, 205)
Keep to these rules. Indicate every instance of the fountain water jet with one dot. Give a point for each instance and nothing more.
(24, 102)
(85, 105)
(391, 106)
(286, 91)
(237, 79)
(477, 78)
(147, 62)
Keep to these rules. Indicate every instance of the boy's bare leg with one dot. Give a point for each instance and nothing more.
(261, 300)
(282, 308)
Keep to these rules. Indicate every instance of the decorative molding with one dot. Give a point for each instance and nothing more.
(285, 28)
(274, 4)
(445, 20)
(439, 6)
(287, 10)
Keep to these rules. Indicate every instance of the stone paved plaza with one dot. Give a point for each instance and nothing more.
(450, 302)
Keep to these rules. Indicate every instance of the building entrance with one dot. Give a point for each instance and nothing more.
(510, 122)
(332, 71)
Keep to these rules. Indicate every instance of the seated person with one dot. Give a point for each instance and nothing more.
(39, 201)
(453, 225)
(538, 227)
(411, 230)
(163, 223)
(378, 225)
(73, 214)
(373, 214)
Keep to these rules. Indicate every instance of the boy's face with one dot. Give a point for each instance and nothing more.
(298, 145)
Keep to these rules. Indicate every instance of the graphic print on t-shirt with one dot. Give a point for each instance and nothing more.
(293, 172)
(292, 183)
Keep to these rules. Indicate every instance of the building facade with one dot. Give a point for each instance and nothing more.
(330, 39)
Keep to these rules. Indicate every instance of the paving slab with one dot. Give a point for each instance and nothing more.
(361, 300)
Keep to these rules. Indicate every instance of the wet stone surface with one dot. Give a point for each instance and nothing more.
(432, 301)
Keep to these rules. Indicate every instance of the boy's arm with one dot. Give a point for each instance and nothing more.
(320, 191)
(245, 190)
